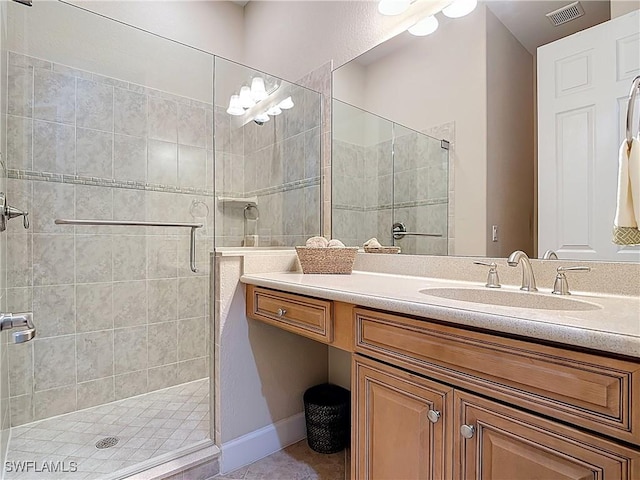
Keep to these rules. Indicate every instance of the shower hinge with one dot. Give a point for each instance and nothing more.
(28, 3)
(444, 144)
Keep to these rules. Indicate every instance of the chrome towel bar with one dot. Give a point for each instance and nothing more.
(399, 230)
(635, 86)
(128, 223)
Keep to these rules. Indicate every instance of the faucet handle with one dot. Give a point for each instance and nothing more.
(561, 286)
(493, 281)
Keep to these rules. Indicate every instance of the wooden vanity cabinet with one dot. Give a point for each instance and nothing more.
(400, 424)
(321, 320)
(494, 437)
(435, 401)
(407, 427)
(509, 444)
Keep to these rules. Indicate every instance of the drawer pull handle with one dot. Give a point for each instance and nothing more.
(433, 416)
(467, 431)
(281, 312)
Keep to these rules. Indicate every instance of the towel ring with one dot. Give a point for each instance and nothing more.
(635, 86)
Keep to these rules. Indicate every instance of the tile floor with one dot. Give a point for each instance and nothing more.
(147, 426)
(296, 462)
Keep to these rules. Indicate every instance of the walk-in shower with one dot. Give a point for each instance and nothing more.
(108, 134)
(132, 172)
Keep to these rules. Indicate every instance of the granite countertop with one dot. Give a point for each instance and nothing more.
(613, 325)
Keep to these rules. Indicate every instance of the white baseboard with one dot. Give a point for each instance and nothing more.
(260, 443)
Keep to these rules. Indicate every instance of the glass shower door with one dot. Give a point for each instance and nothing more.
(105, 123)
(420, 192)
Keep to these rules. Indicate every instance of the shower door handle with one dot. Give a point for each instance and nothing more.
(15, 320)
(7, 212)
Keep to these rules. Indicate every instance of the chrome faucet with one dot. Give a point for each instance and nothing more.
(528, 280)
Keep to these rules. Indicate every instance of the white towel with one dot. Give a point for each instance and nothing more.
(628, 207)
(628, 201)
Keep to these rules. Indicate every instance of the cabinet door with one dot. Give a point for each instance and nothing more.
(496, 442)
(401, 424)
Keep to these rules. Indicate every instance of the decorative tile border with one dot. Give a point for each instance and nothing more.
(375, 208)
(104, 182)
(285, 187)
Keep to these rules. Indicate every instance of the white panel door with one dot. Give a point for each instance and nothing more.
(583, 83)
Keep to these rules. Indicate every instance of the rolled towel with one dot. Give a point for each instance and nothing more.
(372, 242)
(335, 243)
(627, 219)
(317, 242)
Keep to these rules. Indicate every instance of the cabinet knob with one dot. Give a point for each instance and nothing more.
(433, 416)
(281, 312)
(467, 431)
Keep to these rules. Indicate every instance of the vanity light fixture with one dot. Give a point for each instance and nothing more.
(235, 108)
(250, 96)
(246, 99)
(275, 110)
(424, 27)
(393, 7)
(460, 8)
(261, 118)
(286, 104)
(258, 92)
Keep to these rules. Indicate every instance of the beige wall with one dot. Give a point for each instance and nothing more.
(262, 370)
(213, 26)
(349, 83)
(253, 35)
(68, 35)
(305, 44)
(510, 143)
(622, 7)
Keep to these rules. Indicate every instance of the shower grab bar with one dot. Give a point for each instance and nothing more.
(128, 223)
(635, 87)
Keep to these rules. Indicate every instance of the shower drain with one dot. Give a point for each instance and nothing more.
(107, 442)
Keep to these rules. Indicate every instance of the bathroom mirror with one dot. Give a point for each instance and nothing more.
(507, 185)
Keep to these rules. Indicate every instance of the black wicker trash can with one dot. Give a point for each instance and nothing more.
(326, 411)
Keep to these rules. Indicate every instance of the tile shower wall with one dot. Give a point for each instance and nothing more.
(377, 185)
(319, 80)
(117, 309)
(279, 164)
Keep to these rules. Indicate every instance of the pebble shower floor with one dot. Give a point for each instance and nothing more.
(146, 426)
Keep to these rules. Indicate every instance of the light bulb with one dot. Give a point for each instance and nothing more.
(245, 98)
(234, 106)
(263, 117)
(275, 110)
(460, 8)
(424, 27)
(393, 7)
(286, 104)
(258, 91)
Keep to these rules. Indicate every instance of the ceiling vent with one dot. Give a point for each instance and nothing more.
(565, 14)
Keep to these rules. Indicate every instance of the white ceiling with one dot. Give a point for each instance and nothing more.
(242, 3)
(526, 19)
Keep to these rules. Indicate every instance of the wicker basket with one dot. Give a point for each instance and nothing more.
(327, 259)
(326, 412)
(382, 249)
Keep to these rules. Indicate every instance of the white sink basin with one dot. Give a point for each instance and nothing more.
(508, 298)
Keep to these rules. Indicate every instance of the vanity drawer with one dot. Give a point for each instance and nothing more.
(585, 389)
(305, 316)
